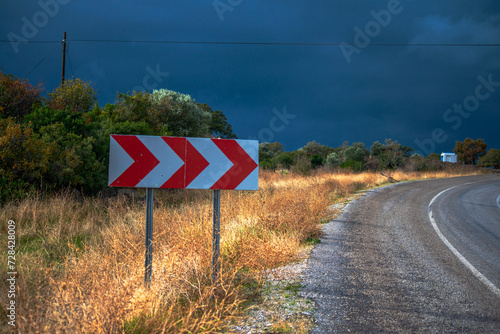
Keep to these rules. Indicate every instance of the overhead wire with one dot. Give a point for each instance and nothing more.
(41, 61)
(265, 43)
(245, 43)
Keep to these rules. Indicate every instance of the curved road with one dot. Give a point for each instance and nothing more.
(416, 257)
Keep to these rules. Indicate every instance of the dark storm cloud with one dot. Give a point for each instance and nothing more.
(399, 92)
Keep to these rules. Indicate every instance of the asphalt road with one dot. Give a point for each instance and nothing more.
(416, 257)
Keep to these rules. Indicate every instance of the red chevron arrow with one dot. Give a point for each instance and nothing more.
(144, 161)
(178, 145)
(194, 163)
(243, 164)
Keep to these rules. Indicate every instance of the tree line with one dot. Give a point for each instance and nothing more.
(62, 140)
(389, 155)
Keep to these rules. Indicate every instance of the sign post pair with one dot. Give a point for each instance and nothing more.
(184, 163)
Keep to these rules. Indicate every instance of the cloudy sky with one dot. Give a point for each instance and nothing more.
(425, 73)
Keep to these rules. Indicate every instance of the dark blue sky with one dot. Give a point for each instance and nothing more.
(342, 86)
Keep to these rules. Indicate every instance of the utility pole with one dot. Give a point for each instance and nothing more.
(63, 58)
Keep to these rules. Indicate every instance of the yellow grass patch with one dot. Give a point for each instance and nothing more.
(81, 263)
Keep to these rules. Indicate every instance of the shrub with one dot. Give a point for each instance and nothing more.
(302, 165)
(73, 95)
(73, 162)
(333, 160)
(23, 159)
(284, 160)
(372, 163)
(17, 97)
(491, 159)
(390, 159)
(356, 166)
(316, 161)
(44, 116)
(165, 111)
(179, 114)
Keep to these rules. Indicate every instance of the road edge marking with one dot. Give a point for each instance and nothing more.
(462, 259)
(498, 201)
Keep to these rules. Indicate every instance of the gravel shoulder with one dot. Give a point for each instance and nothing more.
(283, 307)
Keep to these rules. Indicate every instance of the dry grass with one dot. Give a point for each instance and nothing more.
(81, 262)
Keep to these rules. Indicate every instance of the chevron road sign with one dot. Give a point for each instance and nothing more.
(177, 162)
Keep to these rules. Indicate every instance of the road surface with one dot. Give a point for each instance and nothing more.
(416, 257)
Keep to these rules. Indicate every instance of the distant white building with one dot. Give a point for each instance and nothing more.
(449, 157)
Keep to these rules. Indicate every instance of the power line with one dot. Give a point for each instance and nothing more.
(41, 61)
(265, 43)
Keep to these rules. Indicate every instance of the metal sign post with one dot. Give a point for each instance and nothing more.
(149, 236)
(216, 238)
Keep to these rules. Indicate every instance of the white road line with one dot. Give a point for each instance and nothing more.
(462, 259)
(498, 201)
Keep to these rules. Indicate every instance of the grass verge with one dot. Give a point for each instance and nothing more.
(81, 261)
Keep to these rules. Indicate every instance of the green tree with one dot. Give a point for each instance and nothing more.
(302, 165)
(392, 155)
(353, 157)
(44, 116)
(333, 160)
(179, 114)
(312, 148)
(165, 111)
(316, 160)
(268, 153)
(434, 156)
(73, 95)
(131, 108)
(407, 151)
(24, 159)
(353, 153)
(284, 160)
(376, 149)
(73, 162)
(219, 126)
(469, 151)
(17, 97)
(491, 159)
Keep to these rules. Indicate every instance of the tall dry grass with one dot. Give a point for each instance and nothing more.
(81, 262)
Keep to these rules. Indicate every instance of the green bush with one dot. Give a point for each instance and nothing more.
(73, 162)
(284, 160)
(356, 166)
(333, 160)
(63, 141)
(24, 159)
(316, 161)
(17, 97)
(73, 95)
(44, 116)
(302, 165)
(491, 159)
